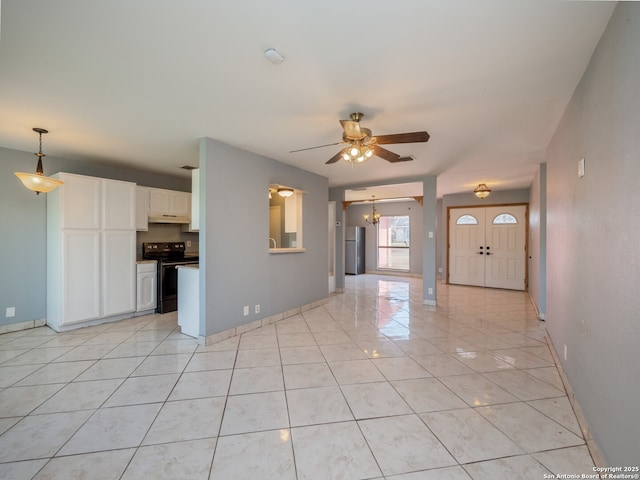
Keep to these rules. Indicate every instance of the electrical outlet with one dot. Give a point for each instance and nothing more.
(10, 312)
(188, 243)
(565, 352)
(246, 310)
(257, 308)
(430, 291)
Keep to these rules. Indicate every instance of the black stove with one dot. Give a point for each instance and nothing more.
(169, 255)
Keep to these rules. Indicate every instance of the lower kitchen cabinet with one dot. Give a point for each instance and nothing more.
(147, 287)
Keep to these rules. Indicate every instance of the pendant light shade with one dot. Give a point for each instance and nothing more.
(37, 182)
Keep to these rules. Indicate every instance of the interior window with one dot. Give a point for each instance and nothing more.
(285, 217)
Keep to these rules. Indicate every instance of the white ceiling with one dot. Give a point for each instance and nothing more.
(139, 82)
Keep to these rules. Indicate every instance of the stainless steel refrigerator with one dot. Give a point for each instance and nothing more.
(354, 250)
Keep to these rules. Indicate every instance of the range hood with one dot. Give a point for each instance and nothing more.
(169, 219)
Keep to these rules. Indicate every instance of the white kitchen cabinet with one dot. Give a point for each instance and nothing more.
(90, 251)
(194, 214)
(180, 203)
(169, 202)
(142, 209)
(82, 201)
(118, 272)
(147, 287)
(78, 281)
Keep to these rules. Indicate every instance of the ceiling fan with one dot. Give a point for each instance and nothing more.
(362, 145)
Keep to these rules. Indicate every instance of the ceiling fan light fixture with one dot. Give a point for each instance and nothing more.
(37, 182)
(354, 151)
(285, 192)
(482, 191)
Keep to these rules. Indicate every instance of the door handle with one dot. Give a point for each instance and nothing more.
(482, 253)
(488, 253)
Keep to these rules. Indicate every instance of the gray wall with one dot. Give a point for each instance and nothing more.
(593, 227)
(23, 226)
(499, 197)
(538, 241)
(412, 208)
(234, 232)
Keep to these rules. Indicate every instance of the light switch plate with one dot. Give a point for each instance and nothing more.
(581, 168)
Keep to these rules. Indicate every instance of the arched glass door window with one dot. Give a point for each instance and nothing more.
(467, 220)
(504, 218)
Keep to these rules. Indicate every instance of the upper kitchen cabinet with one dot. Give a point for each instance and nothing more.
(194, 214)
(142, 209)
(169, 203)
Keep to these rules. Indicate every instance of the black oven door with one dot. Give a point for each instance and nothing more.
(168, 286)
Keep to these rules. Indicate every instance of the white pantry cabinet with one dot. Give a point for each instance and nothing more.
(90, 251)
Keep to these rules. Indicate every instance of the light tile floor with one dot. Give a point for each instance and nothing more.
(371, 385)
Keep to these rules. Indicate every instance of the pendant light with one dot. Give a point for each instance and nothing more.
(482, 191)
(37, 182)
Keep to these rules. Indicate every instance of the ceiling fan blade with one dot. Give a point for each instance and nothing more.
(413, 137)
(384, 153)
(319, 146)
(408, 158)
(351, 129)
(336, 157)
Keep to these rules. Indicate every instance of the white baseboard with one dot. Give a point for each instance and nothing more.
(16, 327)
(596, 454)
(247, 327)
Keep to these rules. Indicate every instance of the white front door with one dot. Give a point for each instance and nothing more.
(466, 247)
(487, 246)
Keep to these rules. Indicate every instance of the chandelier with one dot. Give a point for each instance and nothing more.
(37, 182)
(374, 218)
